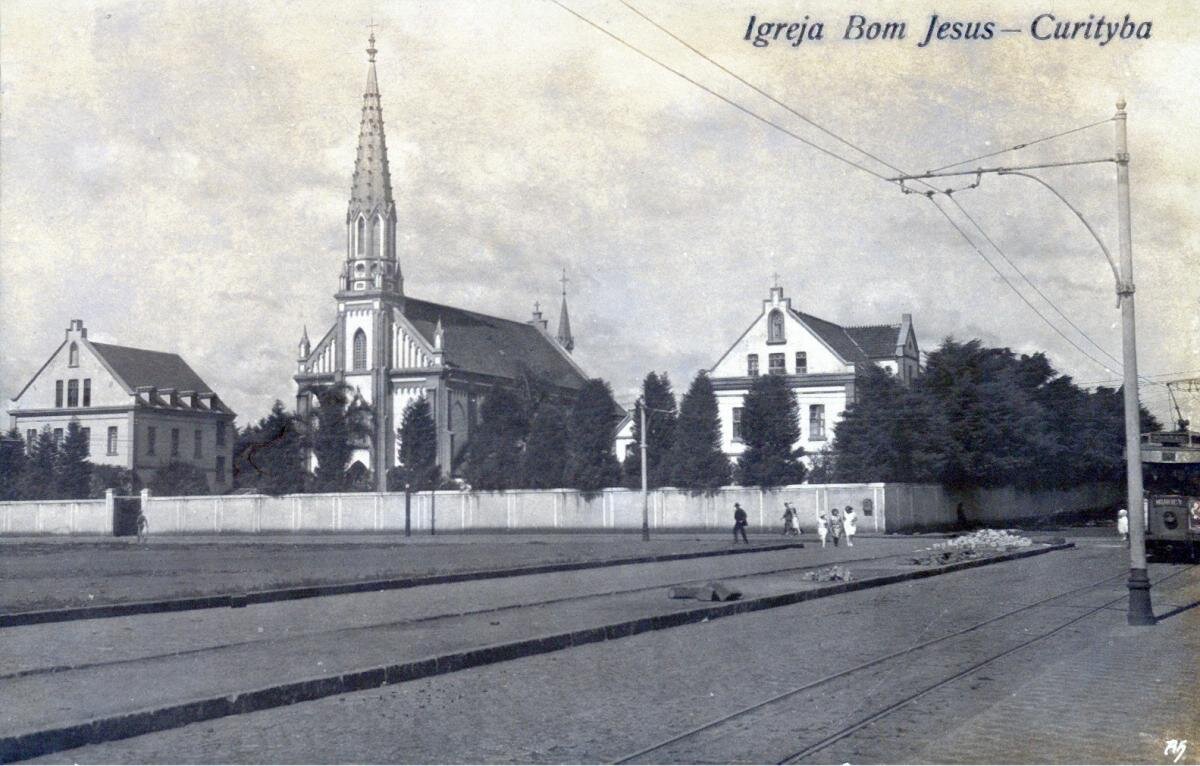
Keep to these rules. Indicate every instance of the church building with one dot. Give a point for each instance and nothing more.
(389, 348)
(820, 361)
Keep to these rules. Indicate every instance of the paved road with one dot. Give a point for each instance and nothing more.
(605, 701)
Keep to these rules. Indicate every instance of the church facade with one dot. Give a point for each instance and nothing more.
(820, 361)
(389, 348)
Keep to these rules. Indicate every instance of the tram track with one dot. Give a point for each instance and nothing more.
(883, 712)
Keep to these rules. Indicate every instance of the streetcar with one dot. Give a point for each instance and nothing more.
(1171, 481)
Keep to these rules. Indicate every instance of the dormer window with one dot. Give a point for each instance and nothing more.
(775, 327)
(360, 350)
(73, 355)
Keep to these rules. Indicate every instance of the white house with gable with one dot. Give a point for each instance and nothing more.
(820, 361)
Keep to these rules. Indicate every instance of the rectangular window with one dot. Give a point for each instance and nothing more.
(801, 363)
(197, 441)
(220, 433)
(220, 468)
(58, 436)
(816, 422)
(72, 393)
(151, 437)
(174, 442)
(112, 440)
(737, 424)
(752, 365)
(87, 392)
(58, 393)
(776, 365)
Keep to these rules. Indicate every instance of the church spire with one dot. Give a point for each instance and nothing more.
(371, 216)
(564, 320)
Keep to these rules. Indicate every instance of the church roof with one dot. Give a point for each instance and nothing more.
(490, 345)
(876, 340)
(836, 337)
(138, 367)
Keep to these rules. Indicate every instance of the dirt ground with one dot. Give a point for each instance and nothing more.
(47, 574)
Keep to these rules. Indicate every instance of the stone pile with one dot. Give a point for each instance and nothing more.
(829, 574)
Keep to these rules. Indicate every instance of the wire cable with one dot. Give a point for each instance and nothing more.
(726, 99)
(1013, 287)
(1017, 147)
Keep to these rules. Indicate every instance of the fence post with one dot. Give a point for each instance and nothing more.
(108, 509)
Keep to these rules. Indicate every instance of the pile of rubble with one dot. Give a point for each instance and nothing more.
(984, 542)
(829, 574)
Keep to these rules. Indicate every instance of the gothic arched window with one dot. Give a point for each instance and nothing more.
(73, 356)
(775, 327)
(361, 236)
(360, 350)
(377, 231)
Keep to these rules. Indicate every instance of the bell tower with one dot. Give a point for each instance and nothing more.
(371, 265)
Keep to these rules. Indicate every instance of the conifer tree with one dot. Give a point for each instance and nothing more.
(697, 462)
(12, 465)
(178, 479)
(545, 460)
(417, 437)
(661, 415)
(340, 425)
(270, 454)
(72, 471)
(591, 464)
(770, 429)
(37, 480)
(494, 454)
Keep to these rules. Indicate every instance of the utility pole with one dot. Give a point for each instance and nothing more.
(1140, 610)
(645, 490)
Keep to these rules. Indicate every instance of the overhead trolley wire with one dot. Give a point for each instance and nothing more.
(726, 99)
(1017, 147)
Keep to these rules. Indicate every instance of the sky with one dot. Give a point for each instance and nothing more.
(176, 174)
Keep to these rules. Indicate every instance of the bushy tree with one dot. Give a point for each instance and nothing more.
(544, 463)
(661, 414)
(697, 462)
(270, 454)
(121, 481)
(340, 426)
(417, 439)
(178, 478)
(591, 464)
(72, 471)
(37, 480)
(496, 447)
(12, 465)
(770, 429)
(890, 433)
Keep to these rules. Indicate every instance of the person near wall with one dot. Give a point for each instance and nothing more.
(961, 515)
(789, 520)
(850, 522)
(739, 523)
(822, 527)
(836, 527)
(1123, 524)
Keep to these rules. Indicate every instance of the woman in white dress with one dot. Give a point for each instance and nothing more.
(822, 527)
(850, 522)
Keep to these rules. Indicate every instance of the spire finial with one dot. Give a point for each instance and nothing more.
(775, 277)
(371, 42)
(564, 281)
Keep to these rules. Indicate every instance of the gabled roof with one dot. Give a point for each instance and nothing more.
(836, 337)
(138, 367)
(876, 340)
(490, 345)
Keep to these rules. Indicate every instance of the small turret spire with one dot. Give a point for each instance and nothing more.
(305, 345)
(564, 337)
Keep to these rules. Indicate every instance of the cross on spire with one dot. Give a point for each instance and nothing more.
(775, 277)
(564, 281)
(371, 41)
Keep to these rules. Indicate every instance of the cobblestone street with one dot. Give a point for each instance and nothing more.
(1061, 699)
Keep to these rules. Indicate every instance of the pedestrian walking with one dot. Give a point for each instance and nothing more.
(836, 528)
(1123, 524)
(850, 521)
(739, 524)
(822, 527)
(143, 528)
(790, 526)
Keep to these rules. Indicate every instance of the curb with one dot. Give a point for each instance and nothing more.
(123, 726)
(234, 600)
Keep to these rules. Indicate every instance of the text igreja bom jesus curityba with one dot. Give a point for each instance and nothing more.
(1045, 26)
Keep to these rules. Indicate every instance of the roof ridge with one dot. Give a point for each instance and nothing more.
(135, 348)
(516, 322)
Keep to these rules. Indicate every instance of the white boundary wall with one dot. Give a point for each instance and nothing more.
(897, 507)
